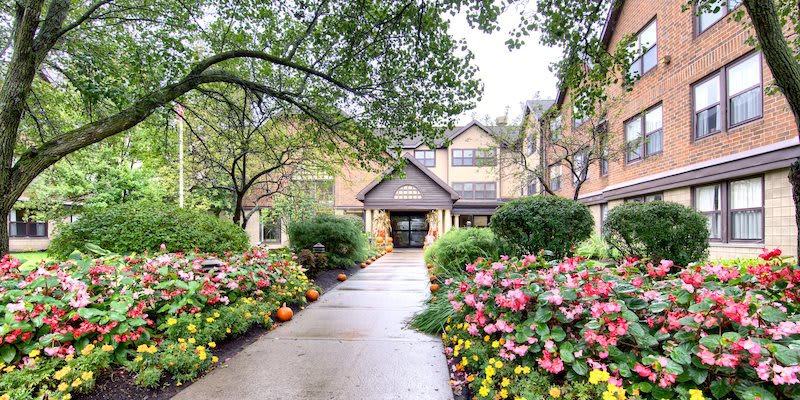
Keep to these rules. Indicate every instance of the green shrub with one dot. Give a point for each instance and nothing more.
(596, 247)
(434, 317)
(141, 226)
(313, 263)
(658, 231)
(343, 238)
(458, 247)
(535, 223)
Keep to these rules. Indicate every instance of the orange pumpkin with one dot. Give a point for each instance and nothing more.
(432, 278)
(341, 277)
(389, 248)
(312, 295)
(430, 266)
(368, 262)
(363, 265)
(379, 239)
(390, 239)
(284, 313)
(434, 287)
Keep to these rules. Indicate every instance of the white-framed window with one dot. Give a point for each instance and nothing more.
(644, 134)
(735, 209)
(646, 45)
(716, 12)
(744, 90)
(476, 190)
(581, 159)
(426, 157)
(555, 177)
(407, 192)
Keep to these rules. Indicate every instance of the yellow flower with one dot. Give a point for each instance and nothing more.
(181, 340)
(486, 338)
(214, 359)
(107, 348)
(138, 359)
(696, 394)
(227, 330)
(66, 397)
(474, 358)
(555, 392)
(209, 319)
(490, 371)
(62, 387)
(216, 315)
(248, 315)
(142, 348)
(60, 374)
(88, 349)
(464, 361)
(34, 353)
(172, 321)
(484, 391)
(87, 375)
(518, 369)
(77, 382)
(192, 340)
(597, 376)
(505, 382)
(212, 345)
(69, 357)
(5, 397)
(152, 349)
(470, 378)
(498, 364)
(526, 370)
(504, 393)
(202, 356)
(467, 344)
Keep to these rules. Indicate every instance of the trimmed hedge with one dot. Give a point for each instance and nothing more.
(659, 231)
(459, 247)
(143, 226)
(535, 223)
(343, 238)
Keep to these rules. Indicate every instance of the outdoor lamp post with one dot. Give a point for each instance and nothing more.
(318, 248)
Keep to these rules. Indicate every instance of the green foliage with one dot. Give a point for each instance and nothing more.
(658, 231)
(596, 247)
(434, 317)
(458, 247)
(143, 226)
(343, 238)
(313, 263)
(535, 223)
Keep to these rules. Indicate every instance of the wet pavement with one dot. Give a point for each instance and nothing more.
(353, 343)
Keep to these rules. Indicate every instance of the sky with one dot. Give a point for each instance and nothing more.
(509, 77)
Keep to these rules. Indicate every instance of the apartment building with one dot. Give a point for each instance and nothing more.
(699, 128)
(460, 182)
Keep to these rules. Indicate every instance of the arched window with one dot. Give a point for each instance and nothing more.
(407, 192)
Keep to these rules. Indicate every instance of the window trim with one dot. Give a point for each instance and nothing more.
(643, 198)
(643, 134)
(640, 59)
(423, 160)
(476, 160)
(553, 187)
(696, 15)
(726, 214)
(722, 73)
(27, 223)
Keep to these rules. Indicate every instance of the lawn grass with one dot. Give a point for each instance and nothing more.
(34, 257)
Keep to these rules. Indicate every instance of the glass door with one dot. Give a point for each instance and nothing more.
(409, 229)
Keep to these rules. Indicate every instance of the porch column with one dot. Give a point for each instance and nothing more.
(368, 221)
(456, 219)
(448, 220)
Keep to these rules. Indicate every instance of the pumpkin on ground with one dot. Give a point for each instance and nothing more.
(284, 313)
(379, 240)
(432, 278)
(434, 287)
(390, 240)
(363, 265)
(341, 277)
(312, 295)
(389, 248)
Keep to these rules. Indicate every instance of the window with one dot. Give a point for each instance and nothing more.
(532, 190)
(477, 221)
(271, 232)
(21, 225)
(740, 85)
(426, 157)
(321, 190)
(407, 192)
(641, 146)
(555, 128)
(645, 44)
(581, 160)
(476, 190)
(578, 117)
(715, 13)
(744, 90)
(604, 162)
(646, 198)
(531, 144)
(603, 216)
(474, 157)
(735, 210)
(555, 177)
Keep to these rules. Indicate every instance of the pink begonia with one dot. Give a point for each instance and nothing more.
(549, 364)
(483, 278)
(15, 307)
(784, 329)
(472, 329)
(503, 326)
(490, 328)
(498, 266)
(530, 258)
(555, 298)
(751, 346)
(651, 295)
(706, 357)
(667, 379)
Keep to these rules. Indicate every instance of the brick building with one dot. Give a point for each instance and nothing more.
(698, 128)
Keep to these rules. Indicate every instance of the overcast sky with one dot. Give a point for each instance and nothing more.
(509, 77)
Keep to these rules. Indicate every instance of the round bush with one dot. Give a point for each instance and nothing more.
(141, 226)
(344, 241)
(535, 223)
(658, 231)
(459, 247)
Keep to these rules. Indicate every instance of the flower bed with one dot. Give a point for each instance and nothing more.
(582, 330)
(67, 323)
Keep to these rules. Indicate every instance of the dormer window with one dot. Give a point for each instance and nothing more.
(407, 192)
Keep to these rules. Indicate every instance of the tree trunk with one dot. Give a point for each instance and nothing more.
(238, 212)
(4, 231)
(794, 178)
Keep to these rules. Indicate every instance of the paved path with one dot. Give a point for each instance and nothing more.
(351, 344)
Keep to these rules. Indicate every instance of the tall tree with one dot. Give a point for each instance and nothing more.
(352, 66)
(589, 67)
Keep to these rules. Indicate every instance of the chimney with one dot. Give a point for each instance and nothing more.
(501, 120)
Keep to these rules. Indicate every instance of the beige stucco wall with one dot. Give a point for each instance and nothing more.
(23, 244)
(595, 210)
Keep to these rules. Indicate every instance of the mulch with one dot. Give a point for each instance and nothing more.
(119, 384)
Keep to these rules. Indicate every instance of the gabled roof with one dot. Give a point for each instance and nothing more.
(538, 106)
(453, 194)
(450, 135)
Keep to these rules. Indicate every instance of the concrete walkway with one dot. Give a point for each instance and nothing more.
(351, 344)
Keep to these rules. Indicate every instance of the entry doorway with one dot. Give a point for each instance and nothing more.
(408, 229)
